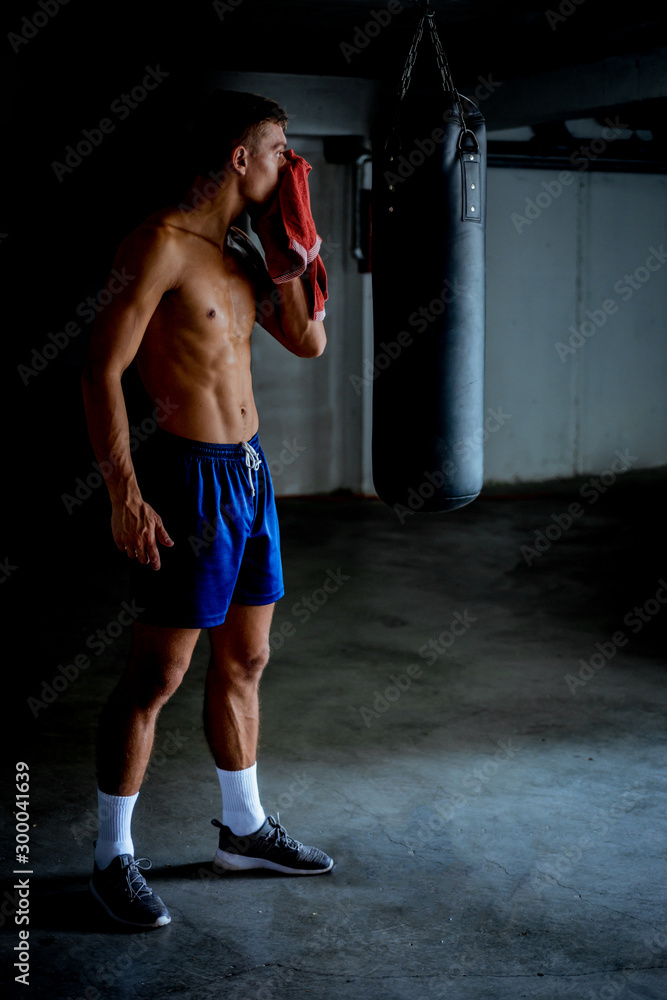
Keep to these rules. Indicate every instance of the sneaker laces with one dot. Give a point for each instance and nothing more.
(280, 835)
(136, 882)
(277, 834)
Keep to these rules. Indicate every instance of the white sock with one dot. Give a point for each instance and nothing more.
(241, 809)
(114, 835)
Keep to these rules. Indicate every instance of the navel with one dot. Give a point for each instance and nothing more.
(211, 313)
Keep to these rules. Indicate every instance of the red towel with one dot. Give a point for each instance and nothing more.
(289, 237)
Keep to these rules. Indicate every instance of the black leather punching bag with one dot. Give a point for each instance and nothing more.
(427, 262)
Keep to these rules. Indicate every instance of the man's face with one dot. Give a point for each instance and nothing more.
(265, 164)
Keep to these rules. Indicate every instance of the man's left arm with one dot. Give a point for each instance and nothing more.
(283, 310)
(285, 313)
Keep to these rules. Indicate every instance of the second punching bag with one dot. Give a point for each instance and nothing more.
(428, 273)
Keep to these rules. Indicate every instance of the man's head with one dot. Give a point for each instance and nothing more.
(227, 119)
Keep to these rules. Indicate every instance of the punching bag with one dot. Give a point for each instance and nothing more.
(427, 263)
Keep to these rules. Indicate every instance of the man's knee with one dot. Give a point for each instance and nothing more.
(158, 663)
(250, 662)
(154, 681)
(256, 660)
(244, 664)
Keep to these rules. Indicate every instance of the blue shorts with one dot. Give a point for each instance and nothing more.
(217, 504)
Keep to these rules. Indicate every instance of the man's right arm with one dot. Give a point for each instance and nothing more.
(150, 262)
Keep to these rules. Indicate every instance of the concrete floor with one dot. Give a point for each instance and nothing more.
(498, 829)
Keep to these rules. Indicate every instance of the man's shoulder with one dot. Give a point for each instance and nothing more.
(153, 237)
(152, 249)
(159, 226)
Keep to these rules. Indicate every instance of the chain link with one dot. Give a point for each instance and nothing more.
(443, 65)
(441, 58)
(428, 14)
(412, 55)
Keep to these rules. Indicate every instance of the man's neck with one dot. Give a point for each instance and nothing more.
(209, 209)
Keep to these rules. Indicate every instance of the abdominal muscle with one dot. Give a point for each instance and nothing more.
(200, 367)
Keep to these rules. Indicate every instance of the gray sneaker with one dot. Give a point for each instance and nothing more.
(269, 847)
(121, 889)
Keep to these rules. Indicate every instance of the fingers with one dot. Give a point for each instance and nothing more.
(162, 535)
(145, 555)
(139, 553)
(152, 554)
(137, 533)
(147, 552)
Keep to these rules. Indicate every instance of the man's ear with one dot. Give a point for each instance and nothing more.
(240, 159)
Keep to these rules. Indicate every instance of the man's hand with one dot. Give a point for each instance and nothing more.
(137, 529)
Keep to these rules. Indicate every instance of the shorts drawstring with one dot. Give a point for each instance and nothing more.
(252, 461)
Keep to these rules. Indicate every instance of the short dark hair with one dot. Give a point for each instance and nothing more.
(228, 118)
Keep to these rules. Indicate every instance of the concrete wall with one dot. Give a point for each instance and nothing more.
(576, 322)
(566, 265)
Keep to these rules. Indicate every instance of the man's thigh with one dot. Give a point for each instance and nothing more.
(159, 647)
(244, 634)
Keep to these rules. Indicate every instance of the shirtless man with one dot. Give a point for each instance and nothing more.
(197, 517)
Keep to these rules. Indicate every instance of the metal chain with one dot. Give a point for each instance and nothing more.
(412, 55)
(443, 66)
(448, 84)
